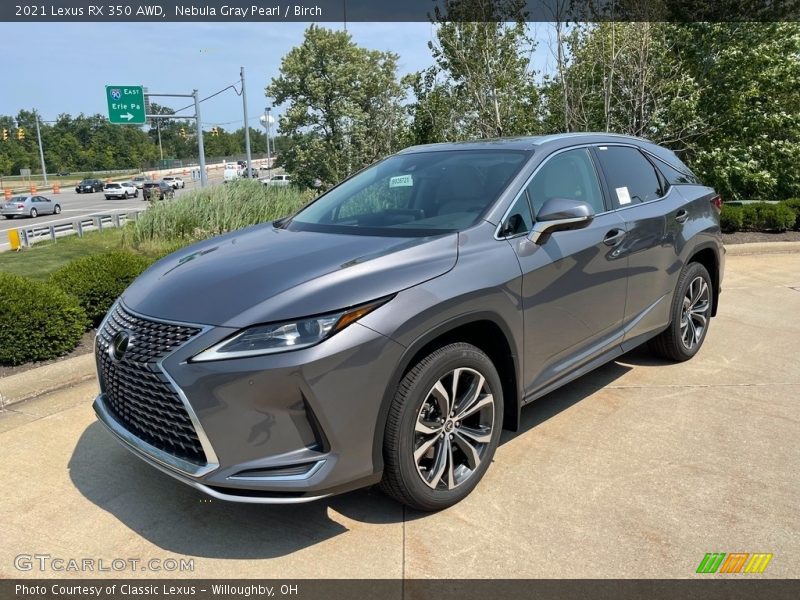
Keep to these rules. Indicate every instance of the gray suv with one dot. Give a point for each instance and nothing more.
(390, 329)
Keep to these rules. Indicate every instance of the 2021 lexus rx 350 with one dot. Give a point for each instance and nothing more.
(387, 331)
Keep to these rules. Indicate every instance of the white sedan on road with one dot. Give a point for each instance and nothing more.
(122, 189)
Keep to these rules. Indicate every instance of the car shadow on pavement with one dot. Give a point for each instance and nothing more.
(548, 406)
(180, 519)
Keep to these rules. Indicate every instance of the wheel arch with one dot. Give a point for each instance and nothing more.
(707, 255)
(484, 330)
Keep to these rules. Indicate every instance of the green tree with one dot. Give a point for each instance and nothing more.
(343, 106)
(482, 83)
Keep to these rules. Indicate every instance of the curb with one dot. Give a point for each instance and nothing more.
(48, 378)
(762, 248)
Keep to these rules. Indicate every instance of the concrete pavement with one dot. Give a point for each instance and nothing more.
(636, 470)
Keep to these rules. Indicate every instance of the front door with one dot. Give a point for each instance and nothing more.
(573, 282)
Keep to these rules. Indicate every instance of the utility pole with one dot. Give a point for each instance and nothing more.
(267, 119)
(41, 151)
(160, 149)
(200, 149)
(246, 128)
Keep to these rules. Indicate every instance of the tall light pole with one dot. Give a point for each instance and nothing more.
(266, 119)
(41, 150)
(246, 127)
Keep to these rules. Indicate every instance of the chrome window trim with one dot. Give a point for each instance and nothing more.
(163, 458)
(525, 185)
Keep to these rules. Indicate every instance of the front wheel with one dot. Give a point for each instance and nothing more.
(443, 428)
(691, 315)
(57, 209)
(136, 194)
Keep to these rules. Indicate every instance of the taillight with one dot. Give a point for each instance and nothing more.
(20, 206)
(717, 202)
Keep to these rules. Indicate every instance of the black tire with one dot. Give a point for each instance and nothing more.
(671, 342)
(402, 478)
(34, 213)
(9, 216)
(57, 209)
(127, 195)
(136, 194)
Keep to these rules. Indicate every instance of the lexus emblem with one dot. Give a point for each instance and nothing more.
(119, 345)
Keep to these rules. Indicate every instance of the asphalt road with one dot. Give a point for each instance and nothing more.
(635, 471)
(75, 206)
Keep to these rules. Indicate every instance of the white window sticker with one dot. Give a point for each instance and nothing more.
(401, 181)
(623, 196)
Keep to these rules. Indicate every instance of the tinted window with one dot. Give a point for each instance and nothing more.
(520, 218)
(631, 177)
(420, 193)
(569, 175)
(673, 175)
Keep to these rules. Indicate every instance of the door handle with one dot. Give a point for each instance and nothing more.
(681, 216)
(614, 237)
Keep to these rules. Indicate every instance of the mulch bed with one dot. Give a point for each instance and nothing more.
(747, 237)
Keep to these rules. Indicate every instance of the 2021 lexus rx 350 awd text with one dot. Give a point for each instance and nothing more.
(390, 329)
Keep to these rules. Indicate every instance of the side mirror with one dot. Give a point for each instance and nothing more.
(560, 214)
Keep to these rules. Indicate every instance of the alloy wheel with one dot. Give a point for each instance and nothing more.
(453, 429)
(694, 316)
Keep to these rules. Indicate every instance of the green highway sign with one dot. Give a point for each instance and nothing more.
(125, 104)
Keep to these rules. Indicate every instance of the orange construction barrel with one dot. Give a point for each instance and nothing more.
(56, 188)
(7, 193)
(33, 189)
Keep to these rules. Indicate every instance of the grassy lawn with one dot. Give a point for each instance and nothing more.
(164, 227)
(38, 261)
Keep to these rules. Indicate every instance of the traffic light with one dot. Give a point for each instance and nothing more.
(5, 134)
(215, 131)
(183, 132)
(21, 134)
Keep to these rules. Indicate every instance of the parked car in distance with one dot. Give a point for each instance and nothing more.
(175, 181)
(88, 186)
(62, 173)
(278, 180)
(29, 206)
(230, 174)
(361, 341)
(123, 189)
(140, 180)
(253, 173)
(158, 190)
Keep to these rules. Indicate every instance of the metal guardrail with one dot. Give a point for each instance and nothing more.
(52, 231)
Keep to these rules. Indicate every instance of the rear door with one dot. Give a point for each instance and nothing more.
(654, 214)
(573, 282)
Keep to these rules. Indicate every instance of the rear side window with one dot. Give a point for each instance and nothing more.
(673, 175)
(632, 178)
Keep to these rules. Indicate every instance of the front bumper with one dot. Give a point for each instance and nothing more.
(282, 428)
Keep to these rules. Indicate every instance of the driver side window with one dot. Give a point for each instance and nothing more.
(568, 175)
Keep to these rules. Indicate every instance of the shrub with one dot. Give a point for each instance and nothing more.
(730, 219)
(38, 321)
(794, 205)
(97, 280)
(778, 217)
(751, 217)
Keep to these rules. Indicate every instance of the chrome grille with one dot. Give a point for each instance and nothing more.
(138, 393)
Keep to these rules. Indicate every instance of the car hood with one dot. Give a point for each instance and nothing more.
(263, 274)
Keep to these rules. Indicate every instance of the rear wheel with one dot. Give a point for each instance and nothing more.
(443, 428)
(34, 213)
(691, 315)
(9, 216)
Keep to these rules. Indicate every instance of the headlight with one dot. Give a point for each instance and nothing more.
(286, 336)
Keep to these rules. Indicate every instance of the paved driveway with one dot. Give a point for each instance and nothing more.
(636, 470)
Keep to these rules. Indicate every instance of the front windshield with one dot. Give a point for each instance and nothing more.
(422, 193)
